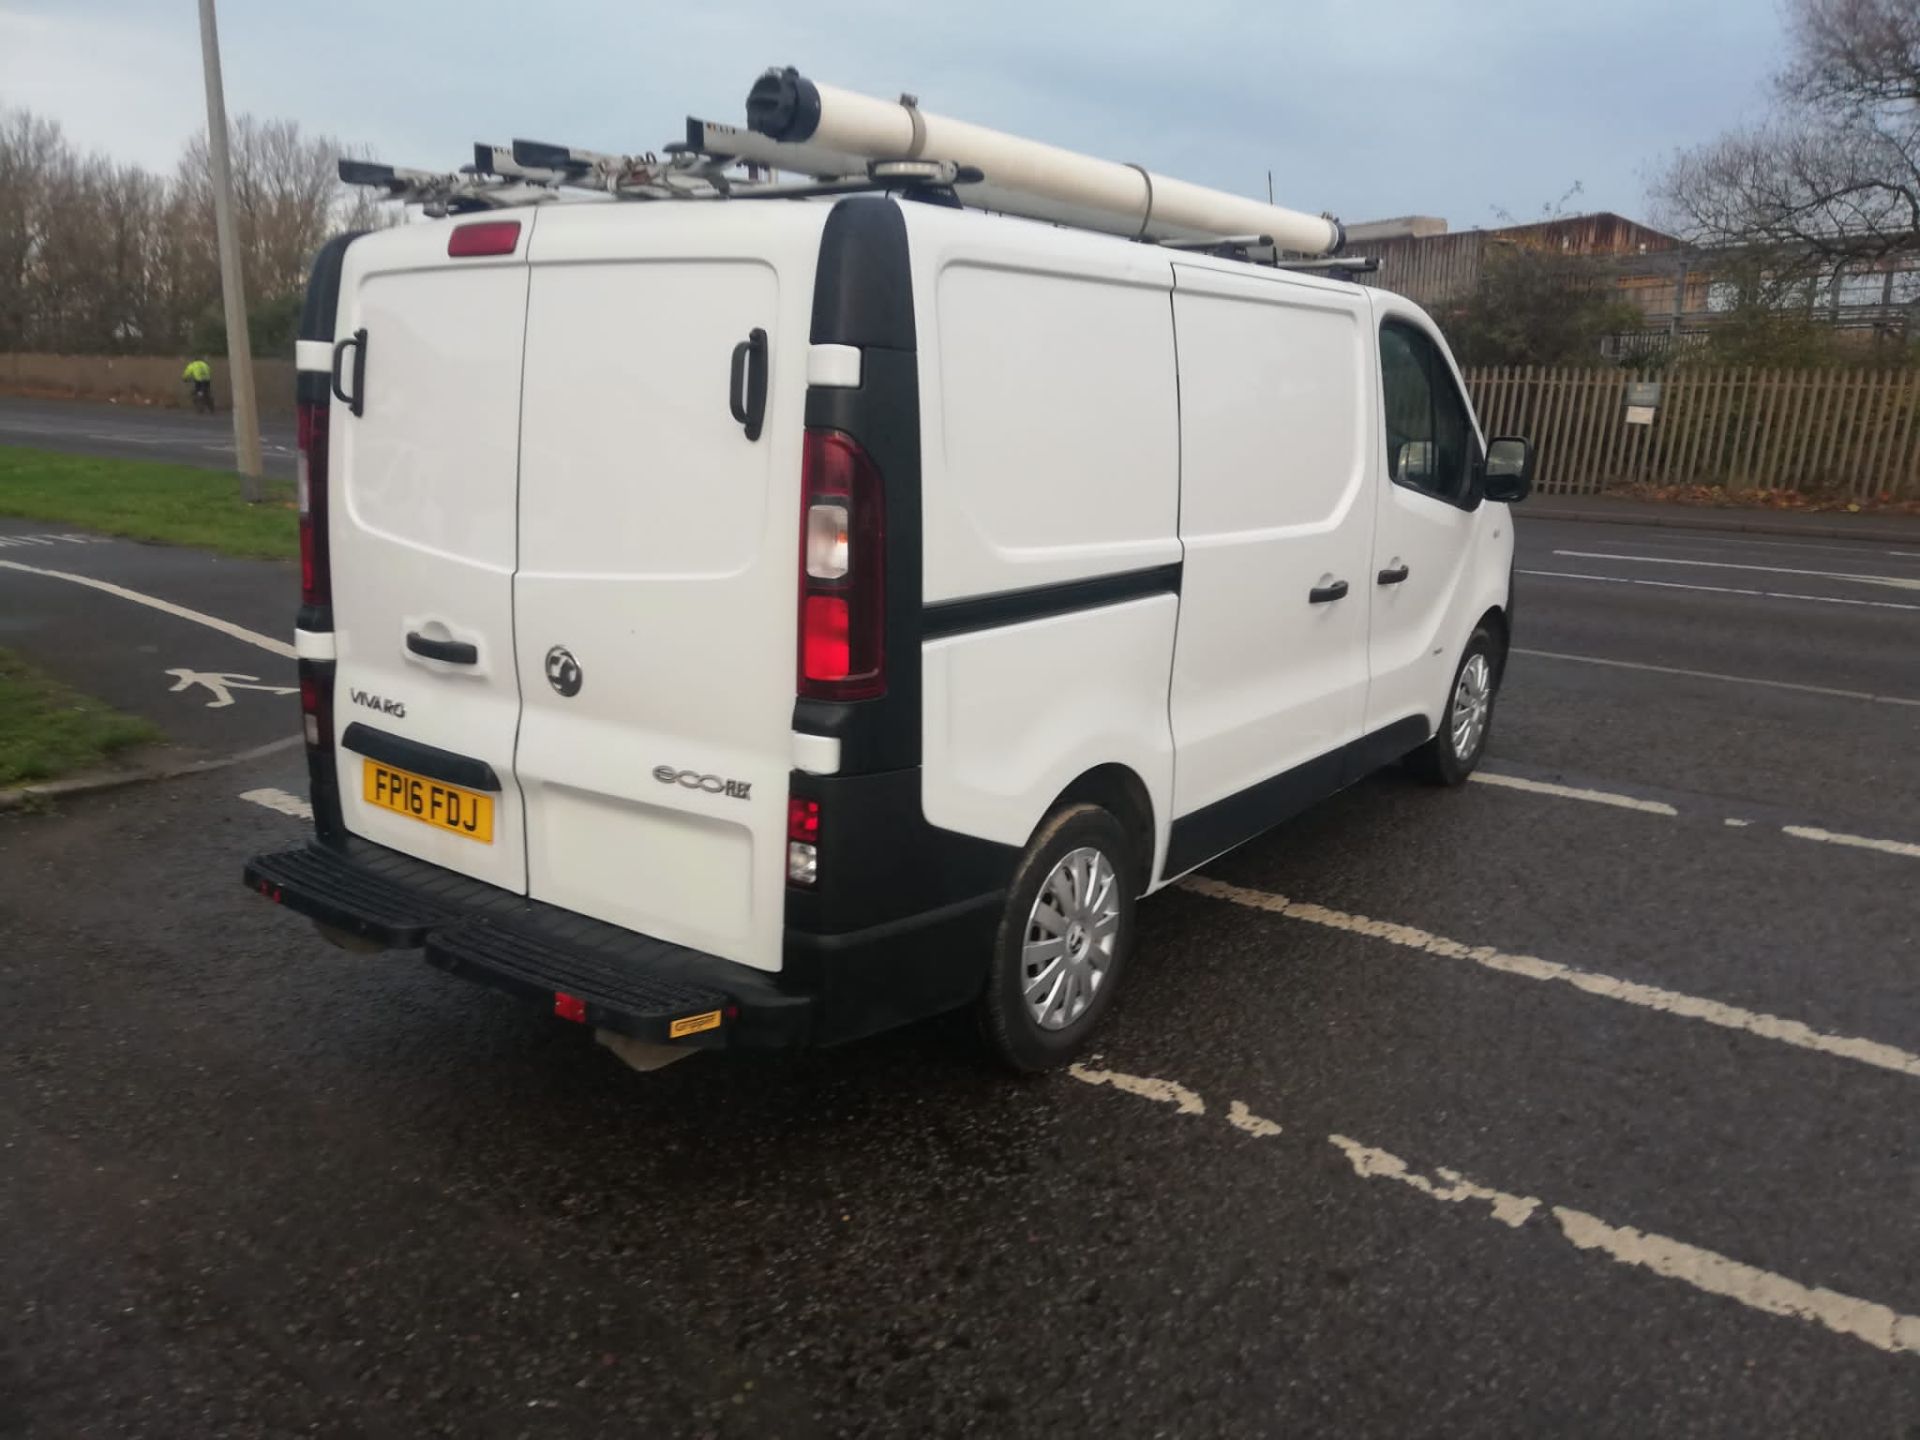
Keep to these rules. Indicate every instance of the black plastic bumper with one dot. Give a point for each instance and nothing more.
(579, 968)
(831, 987)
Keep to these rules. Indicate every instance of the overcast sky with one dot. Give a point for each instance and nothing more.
(1457, 108)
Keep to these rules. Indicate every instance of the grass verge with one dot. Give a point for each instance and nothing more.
(149, 500)
(48, 730)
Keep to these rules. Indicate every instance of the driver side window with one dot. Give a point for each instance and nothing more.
(1430, 444)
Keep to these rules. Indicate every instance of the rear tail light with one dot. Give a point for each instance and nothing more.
(310, 484)
(316, 705)
(842, 571)
(803, 840)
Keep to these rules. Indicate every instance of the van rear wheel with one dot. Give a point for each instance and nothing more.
(1064, 939)
(1466, 719)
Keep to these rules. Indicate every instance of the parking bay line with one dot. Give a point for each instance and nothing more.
(1715, 675)
(1705, 1270)
(1607, 987)
(212, 622)
(1722, 590)
(1899, 582)
(1572, 792)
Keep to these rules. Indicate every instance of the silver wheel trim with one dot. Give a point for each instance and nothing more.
(1472, 700)
(1073, 931)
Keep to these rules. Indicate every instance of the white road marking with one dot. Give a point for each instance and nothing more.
(1573, 792)
(212, 622)
(1167, 1092)
(281, 801)
(9, 541)
(1902, 582)
(1859, 842)
(1241, 1118)
(1878, 1325)
(221, 683)
(1715, 675)
(1707, 1271)
(1607, 987)
(1738, 824)
(1722, 590)
(1368, 1163)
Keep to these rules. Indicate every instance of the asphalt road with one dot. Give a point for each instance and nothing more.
(132, 432)
(1580, 1103)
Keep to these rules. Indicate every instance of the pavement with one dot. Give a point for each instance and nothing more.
(133, 432)
(1581, 1099)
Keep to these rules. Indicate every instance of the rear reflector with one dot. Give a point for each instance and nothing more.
(484, 237)
(569, 1007)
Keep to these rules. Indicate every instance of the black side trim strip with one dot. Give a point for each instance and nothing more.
(1215, 829)
(1010, 607)
(427, 760)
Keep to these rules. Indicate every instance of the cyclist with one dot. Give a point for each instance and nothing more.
(199, 374)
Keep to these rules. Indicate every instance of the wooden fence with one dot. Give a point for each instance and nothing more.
(1850, 431)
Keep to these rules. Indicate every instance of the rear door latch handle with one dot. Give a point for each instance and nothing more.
(453, 652)
(1321, 594)
(1395, 575)
(357, 342)
(747, 382)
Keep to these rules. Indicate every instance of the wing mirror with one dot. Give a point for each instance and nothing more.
(1509, 469)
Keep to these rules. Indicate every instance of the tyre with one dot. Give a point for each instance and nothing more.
(1467, 719)
(1064, 939)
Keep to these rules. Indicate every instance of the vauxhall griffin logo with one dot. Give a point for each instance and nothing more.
(563, 671)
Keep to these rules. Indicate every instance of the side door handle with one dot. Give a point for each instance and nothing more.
(1394, 576)
(453, 652)
(747, 382)
(1321, 594)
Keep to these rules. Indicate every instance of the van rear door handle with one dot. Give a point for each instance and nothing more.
(453, 652)
(747, 382)
(1321, 594)
(1394, 576)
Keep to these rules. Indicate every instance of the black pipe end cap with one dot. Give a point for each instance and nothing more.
(784, 105)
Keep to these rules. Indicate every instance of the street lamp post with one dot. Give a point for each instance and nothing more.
(233, 293)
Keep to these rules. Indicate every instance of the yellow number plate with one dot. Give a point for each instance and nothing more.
(445, 807)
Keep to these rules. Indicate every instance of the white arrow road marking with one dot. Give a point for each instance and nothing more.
(212, 622)
(219, 682)
(280, 800)
(1899, 582)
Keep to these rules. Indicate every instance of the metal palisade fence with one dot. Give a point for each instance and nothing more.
(1851, 431)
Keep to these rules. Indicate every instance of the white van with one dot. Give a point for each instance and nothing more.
(765, 622)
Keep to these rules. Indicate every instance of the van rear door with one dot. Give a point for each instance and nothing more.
(423, 548)
(659, 552)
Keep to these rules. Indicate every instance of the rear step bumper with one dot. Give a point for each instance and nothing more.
(581, 969)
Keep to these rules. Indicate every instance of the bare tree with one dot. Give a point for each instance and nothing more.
(96, 256)
(1832, 178)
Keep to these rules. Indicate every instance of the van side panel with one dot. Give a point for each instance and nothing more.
(1050, 434)
(1276, 446)
(1050, 409)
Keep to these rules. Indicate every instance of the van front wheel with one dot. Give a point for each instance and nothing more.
(1467, 717)
(1063, 940)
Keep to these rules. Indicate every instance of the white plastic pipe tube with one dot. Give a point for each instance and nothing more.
(1105, 195)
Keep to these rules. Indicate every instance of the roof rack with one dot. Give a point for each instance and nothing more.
(803, 139)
